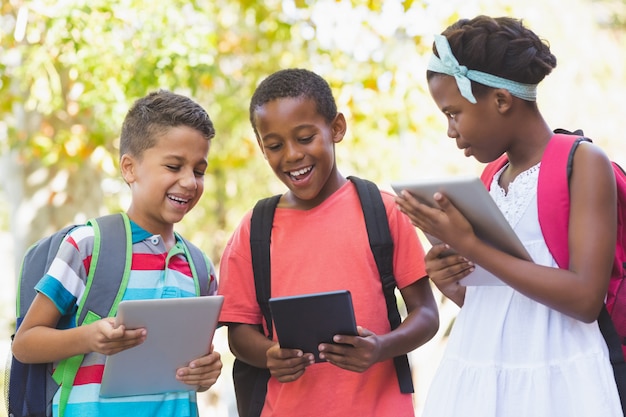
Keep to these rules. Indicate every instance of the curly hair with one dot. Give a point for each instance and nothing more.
(501, 46)
(295, 83)
(154, 114)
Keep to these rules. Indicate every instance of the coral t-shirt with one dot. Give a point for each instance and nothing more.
(326, 249)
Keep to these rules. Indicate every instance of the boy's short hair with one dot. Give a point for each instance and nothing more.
(154, 114)
(294, 83)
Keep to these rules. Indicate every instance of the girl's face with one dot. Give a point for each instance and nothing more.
(478, 128)
(167, 180)
(299, 145)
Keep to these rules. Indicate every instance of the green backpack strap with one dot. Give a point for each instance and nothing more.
(64, 375)
(113, 242)
(107, 275)
(381, 244)
(199, 266)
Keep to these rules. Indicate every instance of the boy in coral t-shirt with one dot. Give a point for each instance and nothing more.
(320, 243)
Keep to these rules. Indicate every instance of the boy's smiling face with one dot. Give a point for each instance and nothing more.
(299, 145)
(167, 180)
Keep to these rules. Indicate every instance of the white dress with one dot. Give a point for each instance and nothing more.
(510, 356)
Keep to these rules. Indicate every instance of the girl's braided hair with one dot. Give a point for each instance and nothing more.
(501, 46)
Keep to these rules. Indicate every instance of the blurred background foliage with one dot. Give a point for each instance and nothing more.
(70, 69)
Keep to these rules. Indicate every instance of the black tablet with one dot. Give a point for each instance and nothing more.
(304, 321)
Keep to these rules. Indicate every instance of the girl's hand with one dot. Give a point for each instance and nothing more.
(445, 269)
(354, 353)
(445, 222)
(287, 365)
(202, 372)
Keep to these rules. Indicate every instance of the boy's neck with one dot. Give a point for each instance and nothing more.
(166, 233)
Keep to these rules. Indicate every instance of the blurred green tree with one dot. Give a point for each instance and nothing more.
(70, 69)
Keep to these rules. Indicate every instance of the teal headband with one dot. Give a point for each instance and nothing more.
(447, 64)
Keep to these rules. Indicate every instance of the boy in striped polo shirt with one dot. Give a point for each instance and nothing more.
(164, 146)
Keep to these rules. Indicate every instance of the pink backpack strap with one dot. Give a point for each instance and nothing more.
(491, 168)
(553, 194)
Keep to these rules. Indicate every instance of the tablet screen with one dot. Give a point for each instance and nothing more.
(304, 321)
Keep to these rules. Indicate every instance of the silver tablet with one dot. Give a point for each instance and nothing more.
(179, 331)
(470, 196)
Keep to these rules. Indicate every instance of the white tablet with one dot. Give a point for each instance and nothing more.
(471, 197)
(179, 330)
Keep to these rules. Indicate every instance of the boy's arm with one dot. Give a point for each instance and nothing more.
(38, 341)
(248, 344)
(421, 323)
(252, 347)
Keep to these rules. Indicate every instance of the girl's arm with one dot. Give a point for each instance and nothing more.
(578, 292)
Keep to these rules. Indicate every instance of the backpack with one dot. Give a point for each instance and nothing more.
(251, 382)
(32, 387)
(553, 208)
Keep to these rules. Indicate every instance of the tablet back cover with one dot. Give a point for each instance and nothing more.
(179, 331)
(470, 196)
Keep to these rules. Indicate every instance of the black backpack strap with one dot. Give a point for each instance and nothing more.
(199, 267)
(616, 355)
(260, 237)
(381, 244)
(107, 274)
(251, 382)
(577, 132)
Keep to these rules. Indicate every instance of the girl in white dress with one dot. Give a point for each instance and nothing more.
(532, 347)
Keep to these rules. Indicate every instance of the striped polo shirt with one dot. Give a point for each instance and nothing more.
(155, 273)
